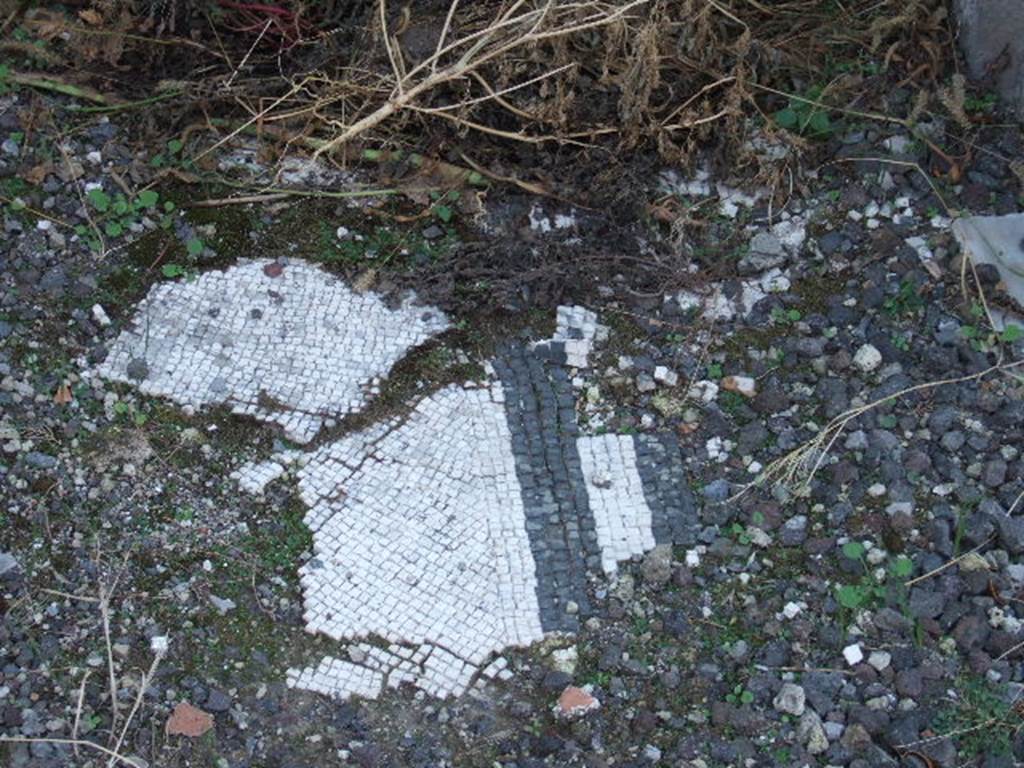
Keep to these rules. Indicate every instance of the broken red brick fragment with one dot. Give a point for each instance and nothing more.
(190, 721)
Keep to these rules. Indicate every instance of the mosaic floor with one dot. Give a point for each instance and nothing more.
(471, 525)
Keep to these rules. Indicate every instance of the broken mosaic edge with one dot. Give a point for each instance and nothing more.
(262, 337)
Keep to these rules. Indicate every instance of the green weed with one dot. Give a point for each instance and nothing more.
(739, 695)
(907, 301)
(985, 103)
(983, 339)
(382, 246)
(867, 591)
(780, 316)
(739, 532)
(805, 119)
(171, 157)
(116, 215)
(980, 719)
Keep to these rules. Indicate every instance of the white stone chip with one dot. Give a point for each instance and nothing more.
(880, 659)
(853, 655)
(666, 376)
(867, 358)
(99, 314)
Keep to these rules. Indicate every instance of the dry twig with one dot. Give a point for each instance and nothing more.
(114, 756)
(514, 30)
(944, 566)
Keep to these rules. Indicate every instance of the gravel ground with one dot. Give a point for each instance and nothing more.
(869, 617)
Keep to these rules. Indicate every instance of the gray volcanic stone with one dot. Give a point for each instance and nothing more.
(953, 441)
(790, 699)
(39, 460)
(970, 632)
(991, 31)
(941, 420)
(717, 490)
(821, 689)
(657, 567)
(217, 701)
(909, 683)
(7, 563)
(831, 242)
(794, 532)
(765, 252)
(1011, 534)
(994, 473)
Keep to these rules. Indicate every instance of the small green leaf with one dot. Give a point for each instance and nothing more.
(902, 567)
(1011, 334)
(172, 270)
(80, 229)
(793, 315)
(819, 124)
(853, 550)
(194, 246)
(168, 206)
(443, 212)
(786, 118)
(148, 198)
(746, 697)
(17, 204)
(113, 229)
(99, 199)
(850, 596)
(174, 146)
(157, 161)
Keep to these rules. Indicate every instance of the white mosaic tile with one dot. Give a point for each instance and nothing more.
(578, 332)
(338, 678)
(254, 477)
(621, 516)
(287, 344)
